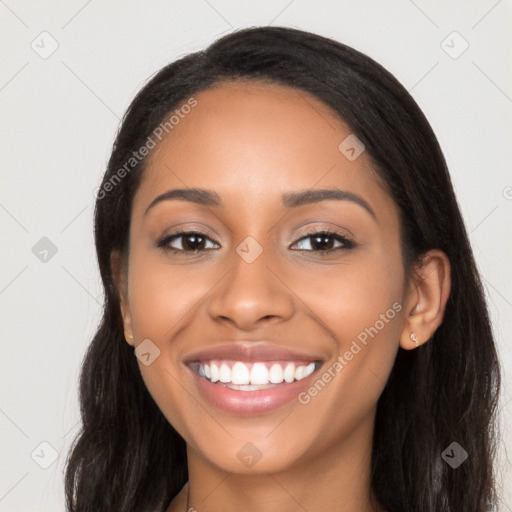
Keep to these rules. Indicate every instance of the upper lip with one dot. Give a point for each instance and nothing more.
(250, 352)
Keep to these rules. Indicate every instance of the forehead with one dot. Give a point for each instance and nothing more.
(251, 142)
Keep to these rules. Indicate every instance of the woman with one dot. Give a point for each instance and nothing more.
(293, 317)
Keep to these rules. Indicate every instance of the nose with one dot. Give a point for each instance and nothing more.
(251, 296)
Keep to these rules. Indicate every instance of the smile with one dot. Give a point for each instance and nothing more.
(244, 376)
(248, 389)
(249, 378)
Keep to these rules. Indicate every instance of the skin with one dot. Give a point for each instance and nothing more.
(252, 142)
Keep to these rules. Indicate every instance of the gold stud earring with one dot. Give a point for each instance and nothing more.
(128, 338)
(414, 338)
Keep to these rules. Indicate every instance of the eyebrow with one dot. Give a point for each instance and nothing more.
(210, 198)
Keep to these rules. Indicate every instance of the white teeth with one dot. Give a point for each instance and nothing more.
(259, 374)
(214, 371)
(299, 372)
(310, 368)
(239, 376)
(224, 373)
(275, 375)
(289, 372)
(239, 373)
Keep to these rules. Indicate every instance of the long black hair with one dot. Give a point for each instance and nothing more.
(128, 458)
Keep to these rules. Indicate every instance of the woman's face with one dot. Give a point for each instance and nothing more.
(255, 284)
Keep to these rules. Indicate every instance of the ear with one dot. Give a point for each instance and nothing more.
(428, 292)
(120, 276)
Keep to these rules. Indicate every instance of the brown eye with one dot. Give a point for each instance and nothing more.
(186, 241)
(324, 242)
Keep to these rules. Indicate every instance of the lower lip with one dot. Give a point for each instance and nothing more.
(247, 403)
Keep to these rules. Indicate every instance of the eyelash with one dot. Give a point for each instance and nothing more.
(347, 243)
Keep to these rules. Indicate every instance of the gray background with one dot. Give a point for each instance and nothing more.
(61, 110)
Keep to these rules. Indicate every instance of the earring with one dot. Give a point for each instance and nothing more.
(414, 338)
(128, 338)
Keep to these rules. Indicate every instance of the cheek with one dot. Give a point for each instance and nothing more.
(361, 304)
(351, 297)
(162, 296)
(164, 301)
(160, 299)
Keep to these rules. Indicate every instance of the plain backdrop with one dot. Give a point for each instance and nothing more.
(69, 71)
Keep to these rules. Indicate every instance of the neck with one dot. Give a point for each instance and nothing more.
(336, 478)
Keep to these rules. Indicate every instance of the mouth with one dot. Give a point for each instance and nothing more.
(250, 379)
(253, 376)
